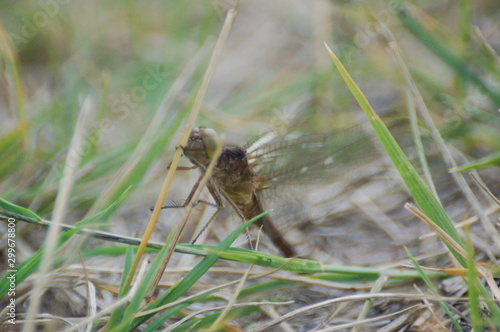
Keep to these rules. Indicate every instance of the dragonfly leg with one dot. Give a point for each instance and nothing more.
(218, 204)
(206, 203)
(186, 203)
(188, 199)
(183, 168)
(205, 226)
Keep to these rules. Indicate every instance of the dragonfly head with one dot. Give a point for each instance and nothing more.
(202, 145)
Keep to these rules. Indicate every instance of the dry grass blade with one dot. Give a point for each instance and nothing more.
(182, 224)
(117, 304)
(486, 44)
(218, 323)
(418, 141)
(154, 127)
(467, 221)
(360, 323)
(203, 293)
(440, 143)
(184, 137)
(274, 314)
(72, 162)
(377, 287)
(485, 188)
(238, 305)
(91, 294)
(447, 239)
(336, 177)
(357, 297)
(431, 311)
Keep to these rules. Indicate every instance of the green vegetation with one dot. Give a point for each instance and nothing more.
(95, 96)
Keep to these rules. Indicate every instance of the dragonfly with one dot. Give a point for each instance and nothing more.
(242, 174)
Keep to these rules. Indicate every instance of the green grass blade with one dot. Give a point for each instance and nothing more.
(118, 314)
(207, 321)
(196, 273)
(422, 195)
(444, 51)
(486, 162)
(433, 290)
(15, 210)
(139, 297)
(29, 266)
(420, 192)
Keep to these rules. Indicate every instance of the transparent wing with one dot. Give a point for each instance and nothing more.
(290, 165)
(281, 158)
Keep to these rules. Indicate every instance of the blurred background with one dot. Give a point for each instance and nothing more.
(139, 64)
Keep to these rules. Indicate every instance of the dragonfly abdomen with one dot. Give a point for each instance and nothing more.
(254, 208)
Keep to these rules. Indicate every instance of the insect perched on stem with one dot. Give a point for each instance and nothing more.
(241, 174)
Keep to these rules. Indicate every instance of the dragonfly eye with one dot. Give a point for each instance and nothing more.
(210, 140)
(195, 134)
